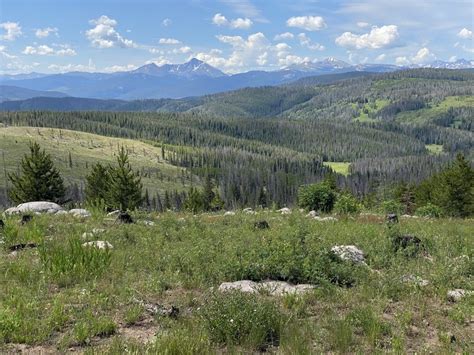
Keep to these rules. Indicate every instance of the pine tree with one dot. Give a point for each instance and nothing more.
(39, 180)
(125, 189)
(208, 194)
(97, 184)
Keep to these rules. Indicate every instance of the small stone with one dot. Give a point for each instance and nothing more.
(229, 213)
(416, 280)
(99, 244)
(458, 294)
(284, 210)
(312, 214)
(349, 253)
(80, 212)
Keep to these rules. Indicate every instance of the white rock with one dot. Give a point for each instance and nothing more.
(35, 207)
(61, 213)
(312, 214)
(458, 294)
(274, 288)
(325, 219)
(409, 216)
(349, 253)
(148, 223)
(80, 212)
(284, 210)
(113, 213)
(229, 213)
(99, 244)
(87, 235)
(98, 230)
(416, 280)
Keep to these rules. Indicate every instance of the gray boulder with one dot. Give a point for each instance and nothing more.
(349, 253)
(35, 207)
(80, 212)
(274, 288)
(457, 294)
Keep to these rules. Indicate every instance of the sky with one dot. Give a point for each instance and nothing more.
(52, 36)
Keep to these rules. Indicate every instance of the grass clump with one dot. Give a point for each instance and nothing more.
(71, 263)
(236, 318)
(92, 326)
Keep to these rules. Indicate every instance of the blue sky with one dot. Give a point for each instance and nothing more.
(233, 35)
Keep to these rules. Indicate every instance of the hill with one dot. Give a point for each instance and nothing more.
(75, 152)
(8, 92)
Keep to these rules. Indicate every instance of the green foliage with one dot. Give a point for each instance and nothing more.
(125, 190)
(347, 204)
(392, 206)
(39, 180)
(429, 210)
(91, 326)
(318, 197)
(98, 184)
(72, 263)
(205, 200)
(237, 318)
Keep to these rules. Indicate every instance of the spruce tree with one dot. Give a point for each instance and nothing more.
(38, 180)
(97, 184)
(125, 189)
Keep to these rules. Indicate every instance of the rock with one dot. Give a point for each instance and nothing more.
(274, 288)
(148, 223)
(392, 218)
(80, 212)
(229, 213)
(349, 253)
(61, 213)
(35, 207)
(22, 246)
(409, 216)
(86, 235)
(98, 230)
(284, 210)
(99, 244)
(261, 225)
(113, 213)
(248, 210)
(25, 219)
(416, 280)
(160, 310)
(325, 219)
(458, 294)
(312, 214)
(407, 241)
(124, 217)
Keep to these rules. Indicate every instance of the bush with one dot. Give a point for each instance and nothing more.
(392, 206)
(318, 197)
(235, 318)
(429, 210)
(347, 204)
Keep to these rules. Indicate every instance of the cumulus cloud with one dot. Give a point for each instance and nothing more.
(45, 32)
(381, 57)
(378, 37)
(120, 68)
(293, 60)
(161, 60)
(362, 24)
(47, 50)
(12, 31)
(166, 22)
(423, 56)
(402, 61)
(308, 23)
(305, 41)
(168, 41)
(284, 36)
(90, 67)
(104, 34)
(238, 23)
(466, 34)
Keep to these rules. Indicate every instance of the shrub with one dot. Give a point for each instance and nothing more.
(235, 318)
(347, 204)
(392, 206)
(429, 210)
(318, 197)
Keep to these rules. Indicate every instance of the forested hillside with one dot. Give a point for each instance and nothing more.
(390, 128)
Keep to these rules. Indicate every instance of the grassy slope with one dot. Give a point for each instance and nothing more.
(176, 261)
(86, 149)
(338, 167)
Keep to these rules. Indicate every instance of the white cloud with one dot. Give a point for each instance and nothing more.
(184, 49)
(308, 23)
(381, 57)
(47, 50)
(378, 37)
(422, 56)
(166, 22)
(402, 61)
(466, 34)
(168, 41)
(284, 36)
(293, 60)
(45, 32)
(362, 24)
(161, 60)
(5, 54)
(90, 67)
(305, 41)
(104, 35)
(12, 31)
(238, 23)
(120, 68)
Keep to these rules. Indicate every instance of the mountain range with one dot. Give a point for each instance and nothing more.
(193, 78)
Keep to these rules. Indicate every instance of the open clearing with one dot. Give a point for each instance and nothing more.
(61, 296)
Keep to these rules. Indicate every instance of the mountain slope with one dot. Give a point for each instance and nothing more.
(8, 92)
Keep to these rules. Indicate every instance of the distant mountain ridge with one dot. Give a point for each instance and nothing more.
(193, 78)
